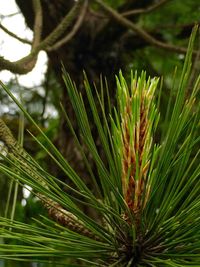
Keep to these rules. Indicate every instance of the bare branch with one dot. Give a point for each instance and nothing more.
(27, 63)
(141, 32)
(74, 30)
(25, 41)
(144, 10)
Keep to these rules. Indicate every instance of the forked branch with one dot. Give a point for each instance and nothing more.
(27, 63)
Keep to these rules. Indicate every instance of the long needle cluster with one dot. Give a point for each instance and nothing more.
(26, 164)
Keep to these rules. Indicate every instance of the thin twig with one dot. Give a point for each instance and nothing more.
(25, 41)
(9, 15)
(144, 10)
(141, 32)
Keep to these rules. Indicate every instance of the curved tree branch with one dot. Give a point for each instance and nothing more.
(74, 30)
(61, 28)
(141, 32)
(144, 10)
(27, 63)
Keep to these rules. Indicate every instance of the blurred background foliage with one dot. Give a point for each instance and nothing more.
(101, 46)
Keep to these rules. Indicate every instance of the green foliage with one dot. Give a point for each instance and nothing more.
(171, 15)
(145, 194)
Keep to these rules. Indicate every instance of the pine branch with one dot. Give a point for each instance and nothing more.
(64, 217)
(28, 165)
